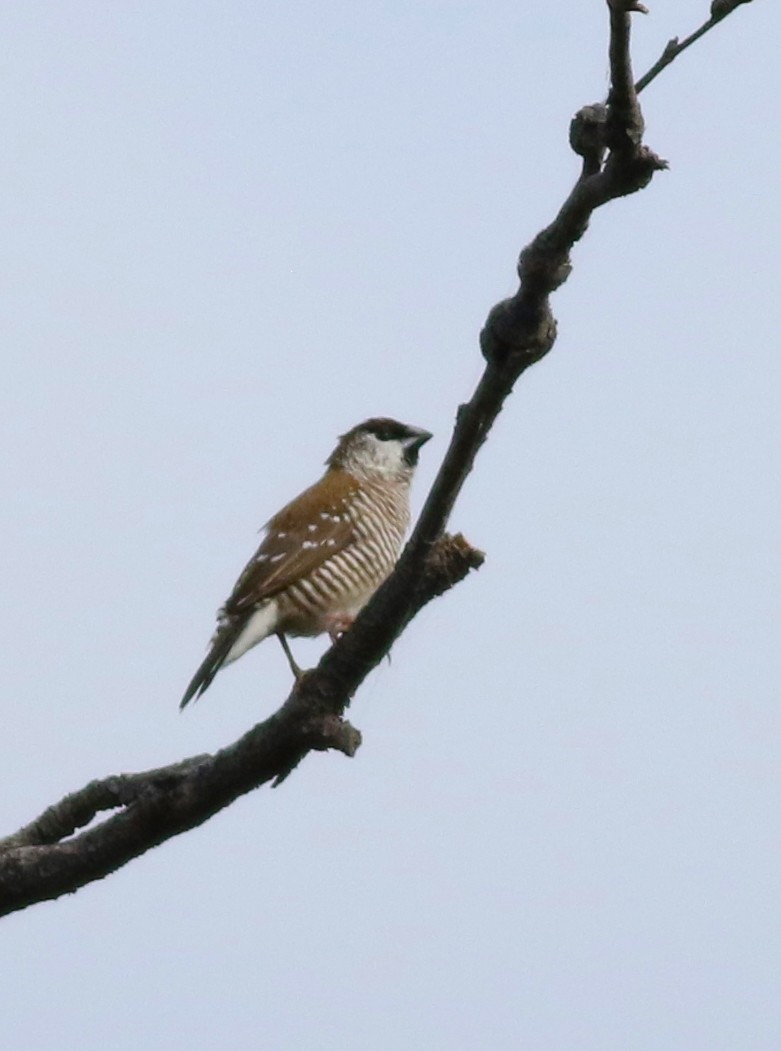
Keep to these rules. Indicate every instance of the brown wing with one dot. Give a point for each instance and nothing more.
(311, 529)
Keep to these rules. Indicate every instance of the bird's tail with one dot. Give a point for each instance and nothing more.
(219, 649)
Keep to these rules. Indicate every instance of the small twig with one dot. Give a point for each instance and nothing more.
(719, 11)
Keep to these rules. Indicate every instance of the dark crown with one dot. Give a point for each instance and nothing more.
(384, 429)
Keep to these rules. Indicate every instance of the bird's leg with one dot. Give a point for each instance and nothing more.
(297, 672)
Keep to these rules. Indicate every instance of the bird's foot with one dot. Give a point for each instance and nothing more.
(337, 624)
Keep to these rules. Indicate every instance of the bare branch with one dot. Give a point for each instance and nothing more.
(518, 332)
(40, 862)
(624, 118)
(719, 10)
(78, 809)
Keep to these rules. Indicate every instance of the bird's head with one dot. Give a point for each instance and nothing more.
(379, 448)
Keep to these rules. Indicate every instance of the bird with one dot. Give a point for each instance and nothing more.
(325, 553)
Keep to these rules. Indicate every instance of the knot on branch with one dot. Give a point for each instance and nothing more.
(721, 8)
(448, 562)
(521, 330)
(545, 264)
(318, 731)
(629, 173)
(330, 732)
(587, 136)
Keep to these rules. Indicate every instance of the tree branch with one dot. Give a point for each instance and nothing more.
(57, 853)
(39, 862)
(719, 10)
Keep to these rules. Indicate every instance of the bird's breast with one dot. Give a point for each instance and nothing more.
(345, 582)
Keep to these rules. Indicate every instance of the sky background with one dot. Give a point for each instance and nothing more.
(232, 230)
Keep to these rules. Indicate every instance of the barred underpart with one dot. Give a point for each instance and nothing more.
(379, 513)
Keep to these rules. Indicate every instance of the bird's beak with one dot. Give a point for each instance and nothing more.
(417, 437)
(413, 442)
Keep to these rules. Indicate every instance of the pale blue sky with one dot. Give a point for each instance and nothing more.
(229, 232)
